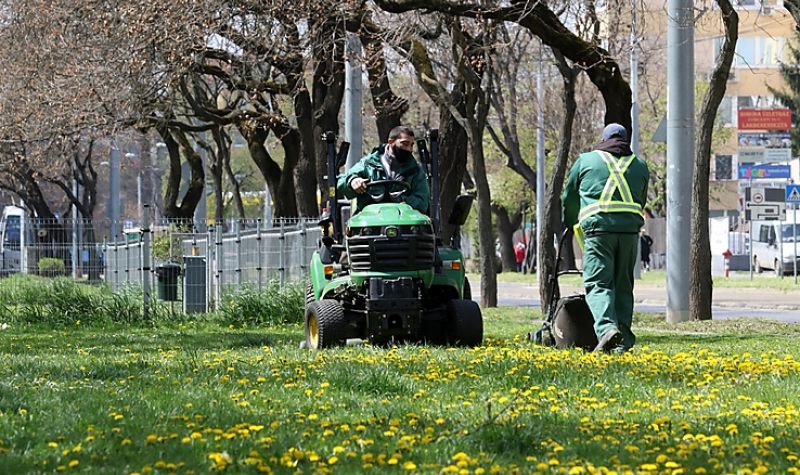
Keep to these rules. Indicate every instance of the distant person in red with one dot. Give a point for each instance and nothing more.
(519, 254)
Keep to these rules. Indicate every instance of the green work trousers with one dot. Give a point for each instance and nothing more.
(608, 261)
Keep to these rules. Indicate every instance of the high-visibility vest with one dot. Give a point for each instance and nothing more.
(616, 181)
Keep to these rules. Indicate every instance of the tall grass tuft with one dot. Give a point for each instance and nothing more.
(271, 306)
(26, 299)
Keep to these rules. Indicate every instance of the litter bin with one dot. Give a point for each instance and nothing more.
(167, 281)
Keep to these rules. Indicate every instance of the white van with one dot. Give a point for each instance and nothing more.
(12, 240)
(769, 238)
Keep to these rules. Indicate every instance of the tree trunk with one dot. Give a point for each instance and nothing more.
(485, 235)
(389, 108)
(237, 192)
(305, 172)
(280, 181)
(175, 140)
(452, 158)
(506, 226)
(546, 262)
(328, 89)
(700, 283)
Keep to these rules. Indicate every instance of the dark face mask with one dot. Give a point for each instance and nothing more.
(402, 155)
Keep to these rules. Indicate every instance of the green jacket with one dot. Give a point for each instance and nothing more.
(371, 168)
(585, 184)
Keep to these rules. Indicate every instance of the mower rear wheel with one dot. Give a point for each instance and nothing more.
(326, 326)
(466, 323)
(310, 298)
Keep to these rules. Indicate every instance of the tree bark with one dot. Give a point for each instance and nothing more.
(506, 226)
(700, 283)
(280, 181)
(176, 142)
(546, 262)
(794, 9)
(328, 87)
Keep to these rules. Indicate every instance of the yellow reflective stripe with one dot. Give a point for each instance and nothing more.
(616, 179)
(609, 207)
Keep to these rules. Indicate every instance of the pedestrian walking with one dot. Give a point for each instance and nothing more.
(645, 244)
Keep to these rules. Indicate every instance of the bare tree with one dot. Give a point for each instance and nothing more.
(700, 285)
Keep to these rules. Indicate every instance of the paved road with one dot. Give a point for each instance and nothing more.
(728, 303)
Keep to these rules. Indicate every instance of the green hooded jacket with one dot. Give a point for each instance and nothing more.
(371, 168)
(585, 184)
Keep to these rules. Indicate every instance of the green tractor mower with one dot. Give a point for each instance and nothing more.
(386, 276)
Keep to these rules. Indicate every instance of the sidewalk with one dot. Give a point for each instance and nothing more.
(652, 294)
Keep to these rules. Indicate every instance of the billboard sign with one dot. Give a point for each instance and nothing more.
(764, 155)
(751, 171)
(765, 139)
(765, 119)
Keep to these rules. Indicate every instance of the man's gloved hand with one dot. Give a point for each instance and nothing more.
(359, 185)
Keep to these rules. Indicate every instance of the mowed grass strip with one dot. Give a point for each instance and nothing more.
(705, 397)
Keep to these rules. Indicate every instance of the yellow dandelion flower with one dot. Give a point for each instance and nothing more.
(410, 466)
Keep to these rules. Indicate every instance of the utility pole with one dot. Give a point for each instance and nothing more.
(353, 127)
(75, 226)
(637, 269)
(539, 161)
(114, 198)
(680, 154)
(201, 212)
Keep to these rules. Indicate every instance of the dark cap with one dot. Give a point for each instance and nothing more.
(615, 130)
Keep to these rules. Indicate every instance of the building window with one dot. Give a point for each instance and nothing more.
(755, 102)
(755, 51)
(725, 113)
(746, 52)
(723, 167)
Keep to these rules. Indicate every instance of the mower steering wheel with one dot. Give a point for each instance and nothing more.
(388, 184)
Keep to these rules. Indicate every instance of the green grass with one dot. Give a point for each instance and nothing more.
(706, 397)
(659, 278)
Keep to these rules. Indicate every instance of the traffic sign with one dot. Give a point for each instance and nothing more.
(766, 212)
(793, 194)
(757, 196)
(765, 195)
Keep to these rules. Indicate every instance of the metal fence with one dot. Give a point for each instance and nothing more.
(170, 260)
(215, 263)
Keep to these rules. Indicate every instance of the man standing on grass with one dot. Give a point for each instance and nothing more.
(604, 199)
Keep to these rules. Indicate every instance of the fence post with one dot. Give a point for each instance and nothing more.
(282, 255)
(116, 263)
(145, 262)
(239, 252)
(303, 242)
(209, 270)
(219, 260)
(259, 258)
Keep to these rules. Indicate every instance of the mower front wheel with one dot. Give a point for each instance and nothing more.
(325, 324)
(465, 322)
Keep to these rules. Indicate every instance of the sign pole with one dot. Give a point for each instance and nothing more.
(750, 232)
(794, 230)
